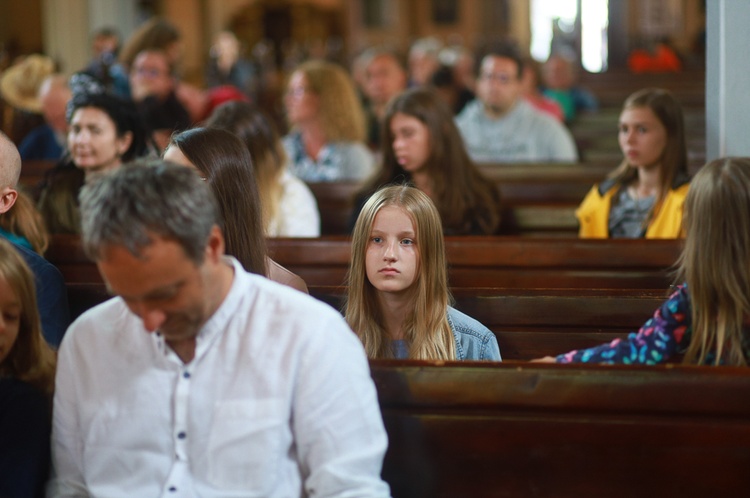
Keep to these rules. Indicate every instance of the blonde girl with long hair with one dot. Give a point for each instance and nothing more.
(644, 196)
(27, 371)
(705, 319)
(398, 298)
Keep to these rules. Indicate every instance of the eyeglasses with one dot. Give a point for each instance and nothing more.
(297, 92)
(148, 72)
(503, 78)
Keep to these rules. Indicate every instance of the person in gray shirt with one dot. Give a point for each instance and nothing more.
(501, 127)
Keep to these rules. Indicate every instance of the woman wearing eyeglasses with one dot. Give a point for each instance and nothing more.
(326, 142)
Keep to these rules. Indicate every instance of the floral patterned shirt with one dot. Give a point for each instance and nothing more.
(337, 161)
(665, 334)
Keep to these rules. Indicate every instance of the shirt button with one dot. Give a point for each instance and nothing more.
(181, 435)
(186, 375)
(172, 489)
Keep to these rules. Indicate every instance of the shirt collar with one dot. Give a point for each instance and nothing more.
(218, 322)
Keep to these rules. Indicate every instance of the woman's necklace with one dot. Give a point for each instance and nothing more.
(641, 203)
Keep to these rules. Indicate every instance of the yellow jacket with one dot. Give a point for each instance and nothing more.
(593, 213)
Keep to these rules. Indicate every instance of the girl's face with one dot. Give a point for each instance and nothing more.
(300, 101)
(392, 257)
(93, 141)
(10, 318)
(411, 142)
(642, 137)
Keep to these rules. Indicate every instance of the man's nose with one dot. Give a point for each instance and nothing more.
(152, 318)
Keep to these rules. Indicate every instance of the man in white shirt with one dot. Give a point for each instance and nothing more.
(201, 379)
(501, 127)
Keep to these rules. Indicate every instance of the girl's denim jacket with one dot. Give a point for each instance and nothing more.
(474, 341)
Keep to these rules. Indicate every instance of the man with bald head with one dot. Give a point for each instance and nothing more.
(10, 172)
(52, 298)
(47, 142)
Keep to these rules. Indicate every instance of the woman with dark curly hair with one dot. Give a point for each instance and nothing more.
(104, 131)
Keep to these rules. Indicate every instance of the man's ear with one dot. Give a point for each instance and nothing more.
(215, 245)
(8, 197)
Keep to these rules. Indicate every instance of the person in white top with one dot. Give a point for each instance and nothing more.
(500, 126)
(289, 206)
(201, 379)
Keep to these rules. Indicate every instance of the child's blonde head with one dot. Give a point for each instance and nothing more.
(427, 330)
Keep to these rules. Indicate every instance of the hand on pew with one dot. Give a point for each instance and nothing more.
(546, 359)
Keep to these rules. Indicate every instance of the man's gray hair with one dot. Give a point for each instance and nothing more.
(145, 198)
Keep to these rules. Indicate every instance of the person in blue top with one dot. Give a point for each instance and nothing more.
(398, 298)
(51, 294)
(47, 141)
(27, 376)
(706, 319)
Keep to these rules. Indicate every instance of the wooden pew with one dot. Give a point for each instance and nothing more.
(537, 197)
(512, 262)
(612, 87)
(532, 323)
(530, 430)
(336, 204)
(529, 323)
(32, 172)
(66, 253)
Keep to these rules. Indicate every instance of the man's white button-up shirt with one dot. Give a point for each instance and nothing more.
(277, 402)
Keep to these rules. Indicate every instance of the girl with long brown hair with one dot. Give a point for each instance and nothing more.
(644, 196)
(421, 144)
(224, 162)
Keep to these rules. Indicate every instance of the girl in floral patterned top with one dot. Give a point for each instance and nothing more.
(705, 318)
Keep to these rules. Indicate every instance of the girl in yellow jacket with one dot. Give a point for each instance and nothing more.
(644, 196)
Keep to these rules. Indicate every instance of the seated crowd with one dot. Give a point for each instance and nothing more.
(218, 380)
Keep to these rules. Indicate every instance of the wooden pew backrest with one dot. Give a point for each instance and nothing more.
(533, 323)
(520, 262)
(528, 430)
